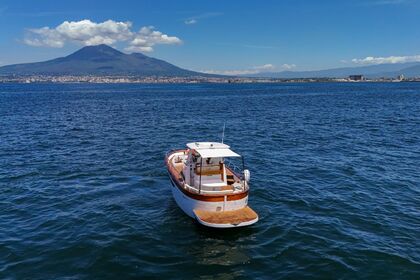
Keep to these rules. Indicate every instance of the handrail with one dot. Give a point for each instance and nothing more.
(235, 169)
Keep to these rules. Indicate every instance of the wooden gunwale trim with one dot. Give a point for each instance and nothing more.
(201, 197)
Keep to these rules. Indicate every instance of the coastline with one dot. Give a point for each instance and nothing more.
(177, 80)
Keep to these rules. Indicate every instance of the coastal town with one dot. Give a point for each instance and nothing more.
(188, 80)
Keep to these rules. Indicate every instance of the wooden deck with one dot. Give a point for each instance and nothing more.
(234, 217)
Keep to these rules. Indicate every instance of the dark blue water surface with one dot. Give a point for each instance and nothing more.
(335, 179)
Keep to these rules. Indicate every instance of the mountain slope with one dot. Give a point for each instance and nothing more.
(99, 60)
(412, 71)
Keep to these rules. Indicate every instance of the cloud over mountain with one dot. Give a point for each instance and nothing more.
(89, 33)
(386, 60)
(147, 37)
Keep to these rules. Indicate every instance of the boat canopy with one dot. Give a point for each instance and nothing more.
(212, 149)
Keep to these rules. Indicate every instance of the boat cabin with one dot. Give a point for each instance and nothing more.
(204, 168)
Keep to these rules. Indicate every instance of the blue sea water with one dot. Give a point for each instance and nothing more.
(84, 193)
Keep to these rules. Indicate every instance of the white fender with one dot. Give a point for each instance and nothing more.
(247, 175)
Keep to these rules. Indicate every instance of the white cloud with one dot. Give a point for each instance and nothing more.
(194, 19)
(44, 37)
(190, 21)
(288, 66)
(388, 59)
(147, 37)
(230, 72)
(265, 67)
(86, 32)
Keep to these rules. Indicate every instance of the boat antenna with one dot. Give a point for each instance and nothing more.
(223, 133)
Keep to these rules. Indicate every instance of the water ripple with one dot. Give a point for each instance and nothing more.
(84, 192)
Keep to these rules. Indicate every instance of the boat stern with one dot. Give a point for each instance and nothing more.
(226, 219)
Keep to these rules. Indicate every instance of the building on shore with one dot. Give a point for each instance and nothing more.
(356, 78)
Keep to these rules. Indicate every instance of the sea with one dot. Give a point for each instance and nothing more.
(335, 179)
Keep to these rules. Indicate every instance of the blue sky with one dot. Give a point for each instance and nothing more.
(218, 36)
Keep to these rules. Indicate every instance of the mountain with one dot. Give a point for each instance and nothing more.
(372, 71)
(100, 60)
(104, 60)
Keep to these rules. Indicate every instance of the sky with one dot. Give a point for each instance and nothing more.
(227, 37)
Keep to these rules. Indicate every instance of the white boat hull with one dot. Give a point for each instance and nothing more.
(188, 205)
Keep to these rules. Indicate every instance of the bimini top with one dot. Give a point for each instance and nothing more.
(212, 149)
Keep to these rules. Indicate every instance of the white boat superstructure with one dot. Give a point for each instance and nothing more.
(207, 189)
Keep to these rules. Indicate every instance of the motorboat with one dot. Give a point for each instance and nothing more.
(208, 187)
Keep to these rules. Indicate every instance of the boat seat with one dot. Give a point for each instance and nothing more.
(211, 182)
(230, 179)
(213, 185)
(208, 172)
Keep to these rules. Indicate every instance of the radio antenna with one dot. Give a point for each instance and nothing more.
(223, 134)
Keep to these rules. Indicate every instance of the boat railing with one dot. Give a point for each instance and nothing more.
(234, 168)
(173, 151)
(238, 172)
